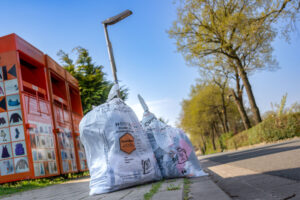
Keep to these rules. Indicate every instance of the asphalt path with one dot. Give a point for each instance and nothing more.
(265, 172)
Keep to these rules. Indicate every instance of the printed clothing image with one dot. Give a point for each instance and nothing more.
(11, 86)
(2, 93)
(4, 135)
(21, 164)
(3, 119)
(19, 149)
(15, 117)
(6, 167)
(5, 151)
(13, 102)
(1, 75)
(17, 133)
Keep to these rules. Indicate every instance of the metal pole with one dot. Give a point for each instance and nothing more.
(111, 58)
(111, 55)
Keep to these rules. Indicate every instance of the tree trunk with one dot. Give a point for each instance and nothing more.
(204, 145)
(254, 108)
(224, 113)
(213, 138)
(222, 122)
(241, 110)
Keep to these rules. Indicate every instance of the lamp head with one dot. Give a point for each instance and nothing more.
(117, 18)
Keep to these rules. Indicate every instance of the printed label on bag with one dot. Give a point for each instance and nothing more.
(127, 143)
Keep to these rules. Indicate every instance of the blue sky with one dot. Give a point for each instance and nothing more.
(146, 57)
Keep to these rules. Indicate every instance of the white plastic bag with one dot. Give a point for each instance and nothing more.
(118, 152)
(172, 148)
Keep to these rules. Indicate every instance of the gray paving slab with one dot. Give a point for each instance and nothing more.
(203, 188)
(78, 190)
(170, 189)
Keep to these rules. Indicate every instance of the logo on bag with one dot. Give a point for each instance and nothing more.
(182, 157)
(146, 164)
(127, 143)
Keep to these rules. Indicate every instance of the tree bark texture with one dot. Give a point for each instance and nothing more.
(246, 83)
(241, 110)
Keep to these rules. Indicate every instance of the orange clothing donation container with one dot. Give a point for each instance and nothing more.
(36, 129)
(61, 116)
(76, 114)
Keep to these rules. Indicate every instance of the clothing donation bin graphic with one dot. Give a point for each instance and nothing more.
(36, 129)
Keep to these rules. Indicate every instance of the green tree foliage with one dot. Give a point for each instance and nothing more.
(203, 114)
(94, 87)
(238, 32)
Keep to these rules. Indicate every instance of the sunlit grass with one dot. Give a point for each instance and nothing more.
(20, 186)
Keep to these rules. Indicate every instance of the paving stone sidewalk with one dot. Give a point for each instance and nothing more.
(173, 189)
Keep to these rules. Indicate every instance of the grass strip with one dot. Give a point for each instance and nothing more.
(186, 188)
(24, 185)
(173, 187)
(155, 187)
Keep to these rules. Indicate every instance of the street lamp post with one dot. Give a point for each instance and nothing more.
(107, 22)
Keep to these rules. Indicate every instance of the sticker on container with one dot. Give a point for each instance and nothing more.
(42, 141)
(9, 72)
(46, 166)
(15, 117)
(4, 135)
(2, 91)
(13, 102)
(37, 169)
(11, 86)
(6, 167)
(19, 148)
(65, 166)
(52, 168)
(32, 141)
(1, 74)
(5, 151)
(3, 107)
(51, 142)
(17, 133)
(34, 155)
(40, 155)
(3, 120)
(37, 141)
(42, 169)
(21, 164)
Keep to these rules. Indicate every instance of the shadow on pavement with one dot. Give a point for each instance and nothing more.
(271, 185)
(251, 153)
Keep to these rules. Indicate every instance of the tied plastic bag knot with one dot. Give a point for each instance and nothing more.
(113, 93)
(147, 116)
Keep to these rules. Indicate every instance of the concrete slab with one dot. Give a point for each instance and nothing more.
(170, 189)
(78, 190)
(203, 188)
